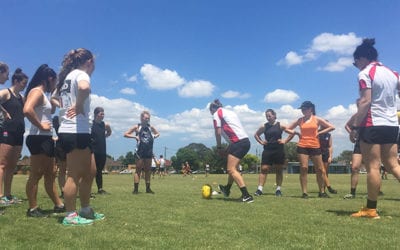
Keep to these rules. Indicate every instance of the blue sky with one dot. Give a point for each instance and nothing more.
(174, 57)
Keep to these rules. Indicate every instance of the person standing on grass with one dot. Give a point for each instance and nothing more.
(144, 133)
(325, 141)
(13, 133)
(375, 124)
(228, 125)
(4, 75)
(60, 157)
(74, 134)
(273, 154)
(308, 147)
(162, 166)
(40, 143)
(100, 131)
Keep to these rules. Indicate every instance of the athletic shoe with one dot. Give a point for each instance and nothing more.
(91, 215)
(323, 195)
(4, 202)
(58, 210)
(368, 213)
(135, 191)
(102, 191)
(332, 191)
(14, 199)
(149, 191)
(224, 190)
(76, 220)
(248, 199)
(349, 196)
(258, 192)
(37, 212)
(278, 193)
(304, 196)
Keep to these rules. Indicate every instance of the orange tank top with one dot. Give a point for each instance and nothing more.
(309, 133)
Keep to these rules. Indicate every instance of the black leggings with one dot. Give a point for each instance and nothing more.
(100, 160)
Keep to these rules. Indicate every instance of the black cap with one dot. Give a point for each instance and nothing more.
(306, 104)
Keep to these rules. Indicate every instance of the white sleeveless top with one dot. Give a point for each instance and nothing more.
(43, 112)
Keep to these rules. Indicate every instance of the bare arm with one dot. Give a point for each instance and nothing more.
(328, 127)
(257, 135)
(154, 132)
(129, 133)
(108, 129)
(35, 98)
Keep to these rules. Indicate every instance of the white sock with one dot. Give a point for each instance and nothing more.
(260, 188)
(278, 188)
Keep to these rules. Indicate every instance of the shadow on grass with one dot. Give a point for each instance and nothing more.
(341, 212)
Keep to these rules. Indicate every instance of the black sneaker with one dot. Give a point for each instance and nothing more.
(332, 191)
(224, 190)
(248, 199)
(323, 195)
(102, 191)
(37, 212)
(59, 210)
(258, 192)
(135, 191)
(278, 193)
(149, 191)
(304, 196)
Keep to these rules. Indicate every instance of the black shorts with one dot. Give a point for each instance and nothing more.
(325, 155)
(40, 144)
(309, 151)
(69, 142)
(13, 138)
(357, 149)
(273, 155)
(59, 152)
(240, 148)
(379, 134)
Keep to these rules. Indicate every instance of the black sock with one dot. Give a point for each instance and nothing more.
(353, 191)
(371, 204)
(136, 186)
(244, 191)
(228, 186)
(147, 186)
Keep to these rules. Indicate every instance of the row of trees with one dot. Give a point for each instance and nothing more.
(198, 155)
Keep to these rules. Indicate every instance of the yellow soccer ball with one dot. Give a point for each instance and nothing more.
(206, 191)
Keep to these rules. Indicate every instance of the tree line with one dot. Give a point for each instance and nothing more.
(198, 155)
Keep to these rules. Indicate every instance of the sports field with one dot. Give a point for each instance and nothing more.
(176, 217)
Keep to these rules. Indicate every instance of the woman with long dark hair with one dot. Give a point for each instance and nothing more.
(13, 133)
(39, 141)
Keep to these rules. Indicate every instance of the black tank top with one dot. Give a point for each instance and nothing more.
(99, 137)
(14, 107)
(145, 147)
(272, 133)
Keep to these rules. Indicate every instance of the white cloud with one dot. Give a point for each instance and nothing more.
(340, 45)
(291, 58)
(128, 91)
(340, 65)
(128, 78)
(235, 94)
(344, 44)
(281, 96)
(195, 125)
(199, 88)
(161, 79)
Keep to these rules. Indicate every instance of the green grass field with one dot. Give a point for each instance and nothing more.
(176, 217)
